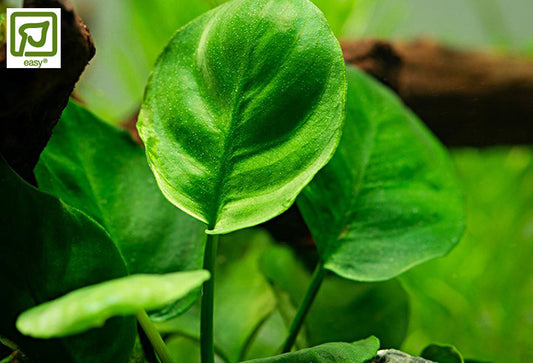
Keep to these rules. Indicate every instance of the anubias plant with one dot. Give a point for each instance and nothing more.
(248, 109)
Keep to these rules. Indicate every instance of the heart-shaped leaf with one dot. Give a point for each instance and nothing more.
(91, 306)
(99, 169)
(357, 352)
(49, 249)
(342, 310)
(243, 107)
(388, 199)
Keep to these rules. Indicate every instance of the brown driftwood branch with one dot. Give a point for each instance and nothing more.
(466, 98)
(31, 100)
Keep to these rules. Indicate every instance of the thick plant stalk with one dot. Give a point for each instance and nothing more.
(207, 345)
(154, 337)
(303, 309)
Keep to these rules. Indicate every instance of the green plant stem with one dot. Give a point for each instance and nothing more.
(303, 309)
(207, 346)
(154, 336)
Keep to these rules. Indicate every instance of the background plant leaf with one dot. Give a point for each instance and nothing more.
(99, 169)
(49, 249)
(357, 352)
(91, 306)
(343, 310)
(244, 106)
(442, 354)
(243, 297)
(337, 12)
(481, 286)
(388, 199)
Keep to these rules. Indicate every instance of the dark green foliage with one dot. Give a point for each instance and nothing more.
(49, 249)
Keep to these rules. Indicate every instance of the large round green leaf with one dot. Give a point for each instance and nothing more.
(99, 169)
(388, 199)
(47, 250)
(243, 107)
(91, 306)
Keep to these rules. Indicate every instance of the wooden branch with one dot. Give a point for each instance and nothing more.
(466, 98)
(31, 100)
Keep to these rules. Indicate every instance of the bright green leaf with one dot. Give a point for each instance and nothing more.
(49, 249)
(336, 12)
(389, 199)
(91, 306)
(358, 352)
(343, 310)
(99, 169)
(442, 354)
(244, 106)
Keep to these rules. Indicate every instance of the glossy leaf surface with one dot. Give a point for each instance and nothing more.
(99, 169)
(243, 107)
(358, 352)
(49, 249)
(343, 310)
(91, 306)
(388, 200)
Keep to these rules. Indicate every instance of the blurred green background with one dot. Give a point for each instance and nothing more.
(480, 297)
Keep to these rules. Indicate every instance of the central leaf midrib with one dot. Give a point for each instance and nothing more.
(228, 134)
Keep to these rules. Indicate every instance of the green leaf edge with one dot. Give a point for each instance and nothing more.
(369, 348)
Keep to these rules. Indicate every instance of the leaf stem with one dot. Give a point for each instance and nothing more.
(303, 309)
(154, 336)
(207, 346)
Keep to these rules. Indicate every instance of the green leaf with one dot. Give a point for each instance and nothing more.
(243, 297)
(389, 199)
(243, 107)
(99, 169)
(442, 354)
(343, 310)
(358, 352)
(49, 249)
(91, 306)
(468, 287)
(336, 12)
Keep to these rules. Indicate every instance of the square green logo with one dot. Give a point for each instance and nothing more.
(33, 38)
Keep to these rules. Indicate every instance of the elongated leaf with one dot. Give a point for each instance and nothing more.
(99, 169)
(244, 106)
(343, 310)
(91, 306)
(358, 352)
(388, 200)
(49, 249)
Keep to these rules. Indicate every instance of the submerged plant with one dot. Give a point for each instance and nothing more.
(248, 109)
